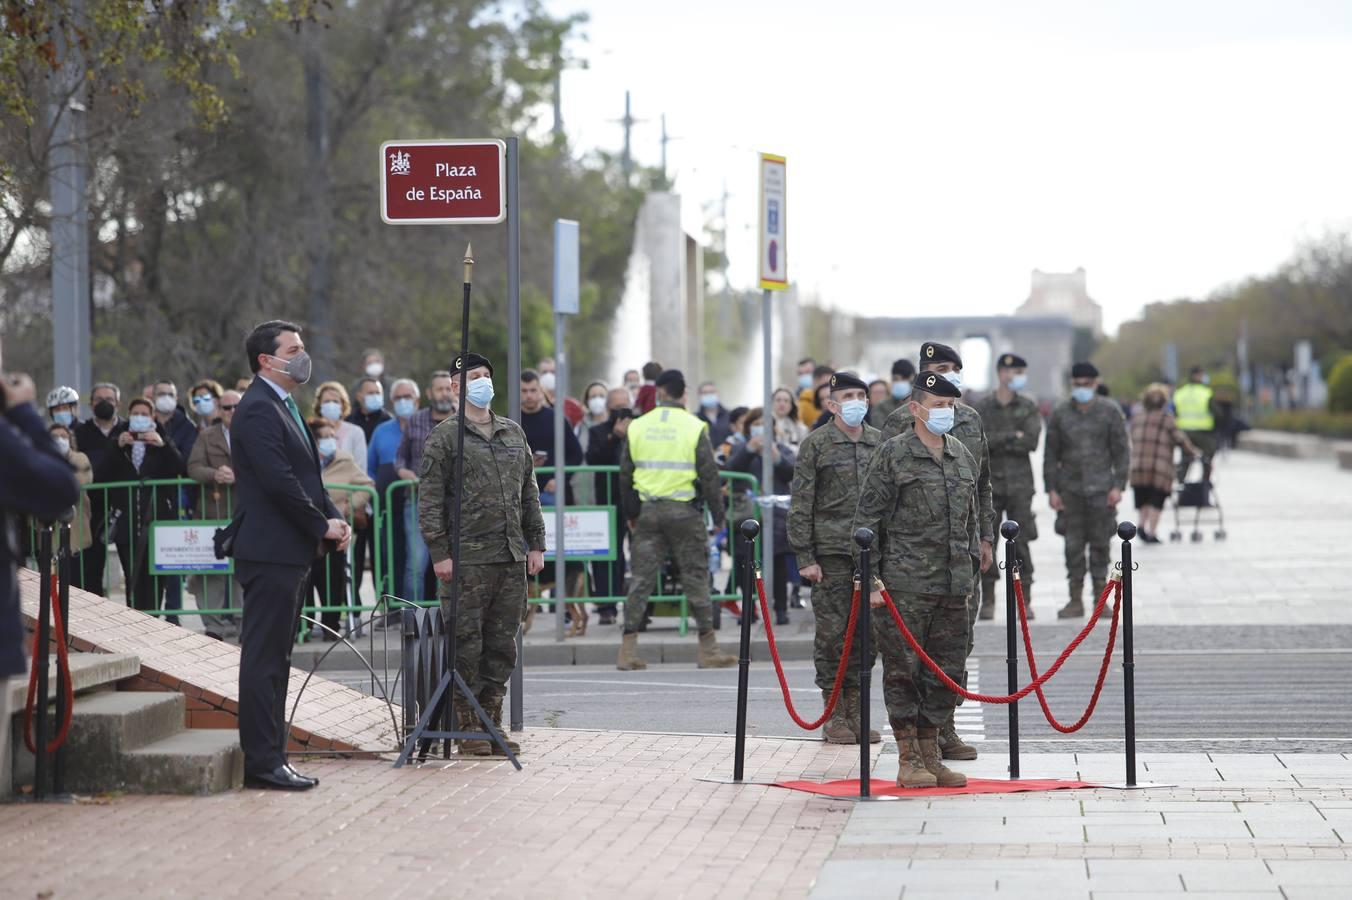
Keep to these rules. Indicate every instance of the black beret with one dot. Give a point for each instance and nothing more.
(843, 381)
(931, 352)
(670, 377)
(471, 361)
(938, 385)
(1012, 361)
(903, 368)
(1083, 370)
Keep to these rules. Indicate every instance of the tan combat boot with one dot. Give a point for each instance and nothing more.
(710, 657)
(494, 709)
(629, 660)
(1075, 608)
(911, 771)
(927, 738)
(466, 720)
(953, 746)
(837, 728)
(850, 697)
(987, 610)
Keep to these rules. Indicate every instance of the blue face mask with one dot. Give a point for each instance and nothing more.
(901, 390)
(805, 382)
(708, 401)
(141, 423)
(331, 410)
(403, 407)
(327, 447)
(954, 378)
(63, 418)
(373, 402)
(205, 404)
(852, 412)
(480, 392)
(1018, 382)
(757, 431)
(940, 420)
(1082, 394)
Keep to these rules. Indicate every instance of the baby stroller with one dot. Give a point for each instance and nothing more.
(1199, 496)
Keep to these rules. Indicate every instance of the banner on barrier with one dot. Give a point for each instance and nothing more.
(187, 548)
(588, 533)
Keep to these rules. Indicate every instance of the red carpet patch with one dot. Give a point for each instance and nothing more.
(887, 788)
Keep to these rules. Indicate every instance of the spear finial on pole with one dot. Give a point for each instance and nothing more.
(469, 264)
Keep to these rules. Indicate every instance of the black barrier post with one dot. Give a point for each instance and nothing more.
(864, 538)
(1126, 531)
(40, 662)
(62, 601)
(750, 530)
(1010, 532)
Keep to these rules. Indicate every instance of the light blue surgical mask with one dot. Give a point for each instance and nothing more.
(708, 401)
(331, 410)
(1018, 382)
(480, 392)
(403, 407)
(327, 447)
(954, 378)
(805, 382)
(901, 390)
(1082, 394)
(141, 423)
(757, 431)
(374, 403)
(852, 412)
(205, 404)
(63, 418)
(940, 420)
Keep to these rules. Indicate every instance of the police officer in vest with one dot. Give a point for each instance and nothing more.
(667, 477)
(1194, 415)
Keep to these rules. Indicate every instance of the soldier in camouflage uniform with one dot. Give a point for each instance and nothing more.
(944, 360)
(918, 499)
(502, 540)
(826, 480)
(1085, 468)
(1013, 426)
(668, 476)
(903, 374)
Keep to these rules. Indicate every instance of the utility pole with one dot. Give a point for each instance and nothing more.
(665, 140)
(70, 221)
(318, 188)
(627, 159)
(558, 96)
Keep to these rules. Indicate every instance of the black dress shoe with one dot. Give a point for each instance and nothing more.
(309, 778)
(279, 779)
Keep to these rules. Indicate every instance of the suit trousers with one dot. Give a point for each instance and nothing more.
(273, 594)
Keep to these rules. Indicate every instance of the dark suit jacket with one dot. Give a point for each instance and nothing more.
(280, 501)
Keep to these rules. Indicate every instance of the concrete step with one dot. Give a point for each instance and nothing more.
(88, 672)
(195, 761)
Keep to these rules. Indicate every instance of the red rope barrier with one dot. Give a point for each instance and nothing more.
(989, 698)
(779, 666)
(1032, 663)
(63, 665)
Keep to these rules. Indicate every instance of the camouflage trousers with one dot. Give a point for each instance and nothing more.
(1017, 509)
(1090, 522)
(669, 529)
(910, 689)
(831, 608)
(492, 605)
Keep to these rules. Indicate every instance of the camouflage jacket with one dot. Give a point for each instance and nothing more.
(826, 482)
(967, 427)
(878, 413)
(501, 502)
(1087, 450)
(922, 512)
(1012, 433)
(708, 481)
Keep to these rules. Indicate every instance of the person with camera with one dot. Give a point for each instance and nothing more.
(605, 443)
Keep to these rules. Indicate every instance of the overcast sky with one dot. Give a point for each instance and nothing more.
(937, 156)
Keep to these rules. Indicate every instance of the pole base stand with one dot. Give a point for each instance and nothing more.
(1138, 786)
(727, 779)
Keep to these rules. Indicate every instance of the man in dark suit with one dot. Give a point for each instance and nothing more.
(283, 520)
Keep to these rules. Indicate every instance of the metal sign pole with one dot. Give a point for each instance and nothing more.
(516, 691)
(560, 478)
(1010, 531)
(767, 486)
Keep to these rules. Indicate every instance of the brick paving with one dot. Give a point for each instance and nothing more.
(594, 814)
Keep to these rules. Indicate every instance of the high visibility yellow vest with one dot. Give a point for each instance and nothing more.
(1192, 402)
(662, 444)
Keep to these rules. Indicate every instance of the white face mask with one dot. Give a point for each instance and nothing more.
(375, 369)
(165, 404)
(597, 406)
(547, 381)
(62, 445)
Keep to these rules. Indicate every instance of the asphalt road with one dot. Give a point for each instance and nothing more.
(1198, 688)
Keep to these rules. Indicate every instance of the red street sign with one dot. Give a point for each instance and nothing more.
(443, 182)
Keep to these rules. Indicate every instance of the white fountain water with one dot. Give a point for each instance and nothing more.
(631, 342)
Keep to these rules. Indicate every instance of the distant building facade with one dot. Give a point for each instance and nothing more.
(1063, 294)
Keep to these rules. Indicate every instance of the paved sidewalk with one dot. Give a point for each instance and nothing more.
(1233, 825)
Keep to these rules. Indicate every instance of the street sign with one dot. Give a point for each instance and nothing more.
(443, 182)
(185, 548)
(567, 289)
(774, 255)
